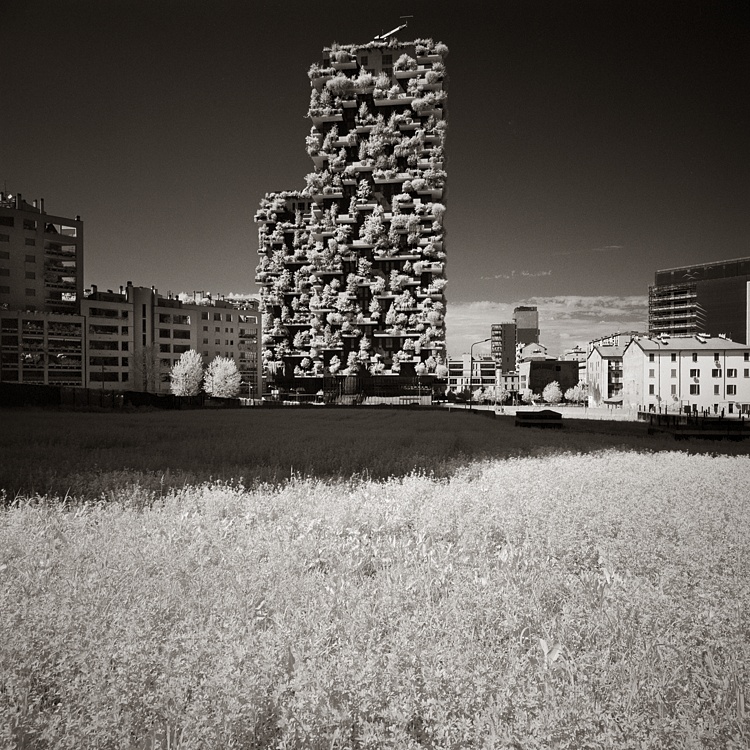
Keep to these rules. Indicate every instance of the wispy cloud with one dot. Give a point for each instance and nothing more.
(519, 275)
(563, 320)
(586, 251)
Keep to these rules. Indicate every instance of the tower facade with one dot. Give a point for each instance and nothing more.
(503, 345)
(352, 267)
(711, 298)
(527, 325)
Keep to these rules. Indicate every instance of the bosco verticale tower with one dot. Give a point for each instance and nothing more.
(352, 267)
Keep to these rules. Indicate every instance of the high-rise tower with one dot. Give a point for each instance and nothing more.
(352, 267)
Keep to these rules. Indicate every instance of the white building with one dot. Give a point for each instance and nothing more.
(695, 373)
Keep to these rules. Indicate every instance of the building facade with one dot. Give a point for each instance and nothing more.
(694, 373)
(711, 298)
(41, 258)
(527, 325)
(42, 348)
(535, 374)
(604, 374)
(503, 345)
(352, 267)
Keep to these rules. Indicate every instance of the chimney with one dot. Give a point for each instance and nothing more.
(41, 205)
(93, 289)
(19, 200)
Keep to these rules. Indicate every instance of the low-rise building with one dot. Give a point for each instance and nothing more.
(535, 374)
(694, 373)
(467, 373)
(604, 374)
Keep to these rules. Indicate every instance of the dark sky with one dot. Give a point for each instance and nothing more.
(589, 142)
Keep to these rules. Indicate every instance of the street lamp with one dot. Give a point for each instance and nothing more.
(471, 369)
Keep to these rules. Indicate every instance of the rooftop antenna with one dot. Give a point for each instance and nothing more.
(385, 36)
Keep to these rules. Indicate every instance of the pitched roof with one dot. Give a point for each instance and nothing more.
(688, 343)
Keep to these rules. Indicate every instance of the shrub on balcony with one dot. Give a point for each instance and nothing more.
(405, 62)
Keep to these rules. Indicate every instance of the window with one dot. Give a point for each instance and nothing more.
(180, 334)
(715, 373)
(4, 271)
(30, 241)
(165, 348)
(205, 341)
(164, 318)
(695, 373)
(228, 318)
(31, 292)
(217, 329)
(717, 390)
(217, 342)
(747, 373)
(695, 389)
(673, 373)
(651, 390)
(180, 348)
(217, 316)
(6, 221)
(387, 59)
(30, 275)
(747, 356)
(125, 377)
(650, 357)
(695, 357)
(31, 258)
(674, 357)
(204, 316)
(164, 333)
(651, 373)
(673, 390)
(124, 346)
(4, 290)
(4, 238)
(205, 328)
(731, 372)
(124, 330)
(731, 390)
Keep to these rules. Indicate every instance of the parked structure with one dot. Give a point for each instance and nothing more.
(711, 298)
(694, 373)
(352, 267)
(41, 258)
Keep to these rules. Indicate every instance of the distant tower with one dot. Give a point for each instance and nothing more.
(527, 325)
(503, 345)
(352, 267)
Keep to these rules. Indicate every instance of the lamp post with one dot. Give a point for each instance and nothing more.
(471, 369)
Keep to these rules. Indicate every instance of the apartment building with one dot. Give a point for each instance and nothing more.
(41, 348)
(503, 345)
(604, 373)
(697, 373)
(526, 319)
(135, 336)
(711, 298)
(41, 258)
(352, 267)
(467, 372)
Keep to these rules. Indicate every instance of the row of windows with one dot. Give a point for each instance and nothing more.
(217, 316)
(108, 361)
(217, 329)
(696, 373)
(176, 348)
(6, 272)
(695, 390)
(217, 342)
(177, 333)
(717, 356)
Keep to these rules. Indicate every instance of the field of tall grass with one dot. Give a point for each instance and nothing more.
(90, 455)
(540, 598)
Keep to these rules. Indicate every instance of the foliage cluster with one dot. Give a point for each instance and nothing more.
(567, 601)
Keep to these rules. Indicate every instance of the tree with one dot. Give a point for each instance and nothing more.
(146, 368)
(222, 379)
(186, 374)
(552, 393)
(577, 394)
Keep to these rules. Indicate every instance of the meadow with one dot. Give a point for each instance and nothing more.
(491, 587)
(87, 455)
